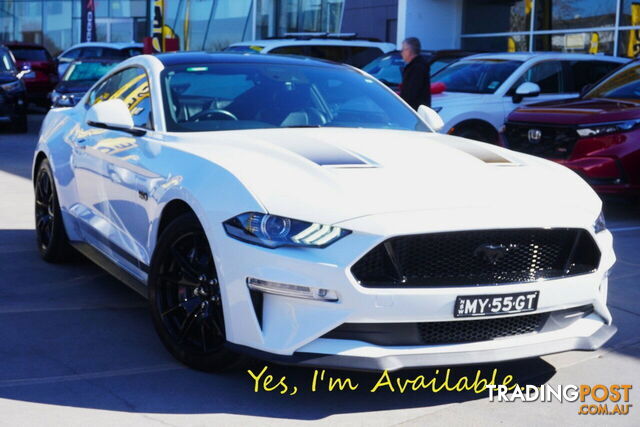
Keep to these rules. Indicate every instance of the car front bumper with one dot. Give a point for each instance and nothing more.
(293, 330)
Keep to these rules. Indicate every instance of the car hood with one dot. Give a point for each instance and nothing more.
(75, 86)
(6, 77)
(329, 175)
(577, 111)
(449, 98)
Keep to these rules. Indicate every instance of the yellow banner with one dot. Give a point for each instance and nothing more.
(634, 37)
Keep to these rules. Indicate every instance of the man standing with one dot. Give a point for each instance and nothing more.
(416, 78)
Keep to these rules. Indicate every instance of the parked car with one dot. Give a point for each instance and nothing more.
(596, 135)
(297, 210)
(42, 77)
(13, 95)
(119, 51)
(481, 90)
(388, 67)
(343, 48)
(77, 80)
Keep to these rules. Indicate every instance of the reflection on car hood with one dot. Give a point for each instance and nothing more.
(578, 111)
(340, 174)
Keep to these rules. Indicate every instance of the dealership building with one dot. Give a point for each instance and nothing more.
(597, 26)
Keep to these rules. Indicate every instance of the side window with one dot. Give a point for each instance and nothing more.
(289, 50)
(104, 90)
(582, 73)
(131, 86)
(548, 75)
(134, 91)
(72, 54)
(332, 53)
(361, 56)
(91, 52)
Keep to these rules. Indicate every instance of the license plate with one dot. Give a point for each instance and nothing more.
(492, 305)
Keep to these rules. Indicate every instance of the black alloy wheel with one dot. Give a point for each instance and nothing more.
(185, 298)
(53, 243)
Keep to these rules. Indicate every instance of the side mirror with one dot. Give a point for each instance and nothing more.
(430, 117)
(525, 90)
(112, 114)
(24, 70)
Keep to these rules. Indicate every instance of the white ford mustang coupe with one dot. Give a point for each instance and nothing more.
(299, 211)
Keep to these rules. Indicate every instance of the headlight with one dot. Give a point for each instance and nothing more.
(607, 128)
(599, 225)
(274, 231)
(13, 86)
(65, 99)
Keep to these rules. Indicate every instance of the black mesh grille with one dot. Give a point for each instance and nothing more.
(479, 257)
(479, 329)
(556, 142)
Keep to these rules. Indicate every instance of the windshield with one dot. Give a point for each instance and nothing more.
(6, 63)
(386, 68)
(252, 96)
(30, 54)
(623, 84)
(476, 75)
(91, 71)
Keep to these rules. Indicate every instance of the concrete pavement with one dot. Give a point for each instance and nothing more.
(77, 347)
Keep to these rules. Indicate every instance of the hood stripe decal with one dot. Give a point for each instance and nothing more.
(322, 154)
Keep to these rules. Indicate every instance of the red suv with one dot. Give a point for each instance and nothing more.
(43, 76)
(596, 135)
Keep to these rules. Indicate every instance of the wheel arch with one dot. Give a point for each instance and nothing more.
(479, 123)
(172, 210)
(40, 157)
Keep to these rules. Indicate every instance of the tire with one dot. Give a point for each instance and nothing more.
(20, 124)
(185, 299)
(476, 133)
(53, 243)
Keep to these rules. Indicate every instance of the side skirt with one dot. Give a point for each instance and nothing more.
(111, 267)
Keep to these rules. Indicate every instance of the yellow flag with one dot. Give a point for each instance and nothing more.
(511, 45)
(634, 47)
(595, 42)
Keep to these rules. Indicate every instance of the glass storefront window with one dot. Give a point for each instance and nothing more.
(594, 42)
(127, 8)
(572, 14)
(496, 16)
(227, 25)
(29, 27)
(629, 43)
(515, 43)
(630, 12)
(57, 26)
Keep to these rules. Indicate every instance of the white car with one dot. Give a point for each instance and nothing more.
(300, 211)
(96, 50)
(481, 90)
(345, 48)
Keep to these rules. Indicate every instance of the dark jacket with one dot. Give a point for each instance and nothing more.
(416, 82)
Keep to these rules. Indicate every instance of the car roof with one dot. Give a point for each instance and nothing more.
(273, 43)
(119, 45)
(24, 45)
(526, 56)
(187, 58)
